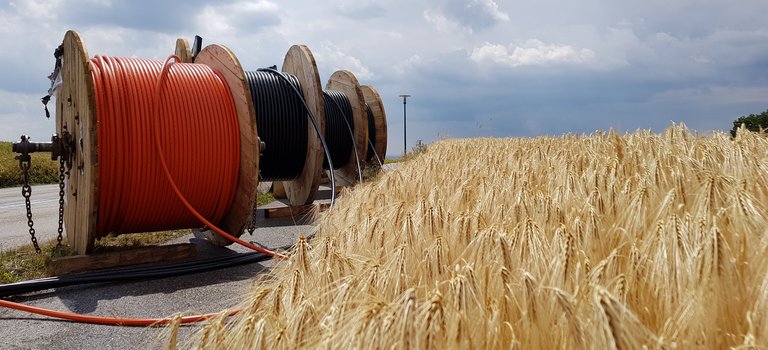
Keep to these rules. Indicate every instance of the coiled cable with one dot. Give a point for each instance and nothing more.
(339, 131)
(313, 121)
(282, 124)
(198, 134)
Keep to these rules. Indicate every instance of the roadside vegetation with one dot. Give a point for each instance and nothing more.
(419, 148)
(43, 169)
(753, 122)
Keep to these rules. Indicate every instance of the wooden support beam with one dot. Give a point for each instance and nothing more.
(284, 212)
(142, 255)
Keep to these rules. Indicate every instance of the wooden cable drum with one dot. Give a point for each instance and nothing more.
(76, 107)
(273, 99)
(377, 139)
(222, 60)
(346, 83)
(183, 50)
(278, 190)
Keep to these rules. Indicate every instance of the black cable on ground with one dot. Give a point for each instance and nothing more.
(130, 274)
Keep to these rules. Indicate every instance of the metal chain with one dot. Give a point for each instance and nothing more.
(252, 223)
(61, 203)
(26, 192)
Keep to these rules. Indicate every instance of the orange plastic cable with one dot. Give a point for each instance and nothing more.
(188, 109)
(182, 175)
(196, 124)
(160, 92)
(113, 321)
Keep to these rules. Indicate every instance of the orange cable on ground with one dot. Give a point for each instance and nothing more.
(112, 321)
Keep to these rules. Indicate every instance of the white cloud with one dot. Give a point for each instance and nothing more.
(408, 64)
(22, 113)
(533, 53)
(238, 17)
(473, 15)
(40, 10)
(334, 57)
(361, 9)
(440, 22)
(215, 23)
(491, 8)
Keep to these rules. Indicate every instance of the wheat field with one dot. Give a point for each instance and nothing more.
(601, 241)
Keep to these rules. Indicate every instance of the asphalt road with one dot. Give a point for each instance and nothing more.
(198, 293)
(13, 220)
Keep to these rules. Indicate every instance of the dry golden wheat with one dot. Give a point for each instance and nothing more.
(600, 241)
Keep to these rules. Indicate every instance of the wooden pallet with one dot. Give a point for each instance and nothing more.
(143, 255)
(284, 212)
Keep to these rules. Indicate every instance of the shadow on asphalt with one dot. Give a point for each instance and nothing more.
(85, 298)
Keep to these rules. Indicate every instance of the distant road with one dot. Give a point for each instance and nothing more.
(14, 231)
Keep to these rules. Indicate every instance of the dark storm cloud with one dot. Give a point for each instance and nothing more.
(149, 15)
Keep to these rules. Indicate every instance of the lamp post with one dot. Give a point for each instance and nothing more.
(405, 144)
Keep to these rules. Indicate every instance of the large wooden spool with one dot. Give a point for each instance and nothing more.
(346, 82)
(374, 102)
(76, 114)
(183, 51)
(300, 62)
(222, 60)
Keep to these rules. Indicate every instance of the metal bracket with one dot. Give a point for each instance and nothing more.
(60, 146)
(262, 146)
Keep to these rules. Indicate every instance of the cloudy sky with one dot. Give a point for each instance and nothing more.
(474, 67)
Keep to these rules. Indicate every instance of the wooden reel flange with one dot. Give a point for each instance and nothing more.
(345, 82)
(223, 61)
(374, 102)
(76, 114)
(300, 62)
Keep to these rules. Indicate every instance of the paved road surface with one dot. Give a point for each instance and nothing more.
(199, 293)
(13, 220)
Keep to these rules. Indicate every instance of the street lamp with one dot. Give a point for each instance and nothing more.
(405, 144)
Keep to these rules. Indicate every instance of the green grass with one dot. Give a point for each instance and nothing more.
(42, 171)
(23, 263)
(135, 240)
(264, 198)
(393, 160)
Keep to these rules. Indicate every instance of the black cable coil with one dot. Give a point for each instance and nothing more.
(281, 123)
(371, 134)
(337, 131)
